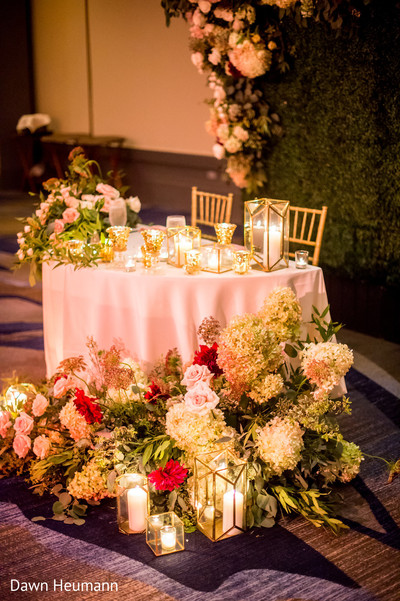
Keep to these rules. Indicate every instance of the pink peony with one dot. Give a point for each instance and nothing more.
(40, 405)
(58, 226)
(201, 399)
(5, 422)
(23, 424)
(70, 215)
(195, 374)
(21, 445)
(41, 446)
(107, 191)
(62, 386)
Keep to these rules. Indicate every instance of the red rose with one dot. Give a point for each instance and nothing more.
(207, 355)
(155, 393)
(169, 477)
(87, 407)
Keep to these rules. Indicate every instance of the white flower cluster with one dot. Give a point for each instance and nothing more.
(324, 364)
(279, 444)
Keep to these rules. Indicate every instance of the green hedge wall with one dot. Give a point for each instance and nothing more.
(340, 110)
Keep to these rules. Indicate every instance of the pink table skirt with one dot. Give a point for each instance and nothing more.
(154, 313)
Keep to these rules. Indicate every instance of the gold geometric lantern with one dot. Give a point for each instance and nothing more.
(165, 533)
(220, 494)
(216, 258)
(266, 232)
(180, 240)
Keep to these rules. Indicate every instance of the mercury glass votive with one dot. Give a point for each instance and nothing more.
(165, 533)
(107, 251)
(74, 247)
(301, 259)
(119, 235)
(132, 503)
(224, 232)
(241, 261)
(192, 262)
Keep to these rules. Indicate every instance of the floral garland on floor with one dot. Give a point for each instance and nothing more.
(237, 44)
(94, 420)
(74, 208)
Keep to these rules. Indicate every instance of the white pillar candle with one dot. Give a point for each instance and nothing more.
(273, 242)
(213, 260)
(168, 538)
(137, 508)
(258, 231)
(183, 245)
(230, 518)
(209, 513)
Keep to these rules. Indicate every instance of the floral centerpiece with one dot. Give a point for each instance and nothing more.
(253, 385)
(74, 208)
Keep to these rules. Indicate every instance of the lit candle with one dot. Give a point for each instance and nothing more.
(209, 513)
(137, 509)
(183, 245)
(213, 260)
(232, 499)
(258, 231)
(168, 538)
(130, 264)
(274, 246)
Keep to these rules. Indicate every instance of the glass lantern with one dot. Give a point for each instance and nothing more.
(216, 258)
(165, 533)
(16, 396)
(266, 232)
(180, 240)
(220, 494)
(132, 503)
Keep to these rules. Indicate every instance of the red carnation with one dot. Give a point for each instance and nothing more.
(155, 393)
(86, 407)
(169, 477)
(207, 355)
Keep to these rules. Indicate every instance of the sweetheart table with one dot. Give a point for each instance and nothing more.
(152, 313)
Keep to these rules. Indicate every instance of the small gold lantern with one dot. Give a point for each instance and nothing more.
(132, 503)
(216, 258)
(220, 494)
(266, 232)
(180, 240)
(165, 533)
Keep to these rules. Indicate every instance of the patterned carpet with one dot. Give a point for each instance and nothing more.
(293, 561)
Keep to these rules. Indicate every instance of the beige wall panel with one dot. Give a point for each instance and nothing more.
(60, 63)
(145, 87)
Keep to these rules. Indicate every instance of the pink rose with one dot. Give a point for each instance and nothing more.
(41, 446)
(21, 445)
(5, 422)
(62, 386)
(40, 405)
(201, 399)
(70, 215)
(58, 226)
(71, 202)
(107, 191)
(23, 424)
(65, 191)
(195, 374)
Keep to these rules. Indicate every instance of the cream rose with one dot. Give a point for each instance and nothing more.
(107, 191)
(201, 399)
(133, 203)
(40, 405)
(195, 374)
(62, 386)
(41, 446)
(5, 422)
(21, 445)
(23, 424)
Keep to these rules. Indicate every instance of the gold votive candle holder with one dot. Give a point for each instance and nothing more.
(74, 247)
(132, 503)
(241, 261)
(224, 232)
(165, 533)
(119, 235)
(107, 251)
(153, 240)
(192, 262)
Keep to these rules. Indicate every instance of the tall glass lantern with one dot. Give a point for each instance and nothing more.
(266, 232)
(220, 494)
(180, 240)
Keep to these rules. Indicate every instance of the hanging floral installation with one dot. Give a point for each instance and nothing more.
(238, 45)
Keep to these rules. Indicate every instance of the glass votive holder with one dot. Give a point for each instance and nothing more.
(165, 533)
(192, 262)
(301, 259)
(119, 235)
(132, 503)
(176, 221)
(74, 247)
(130, 263)
(241, 261)
(107, 251)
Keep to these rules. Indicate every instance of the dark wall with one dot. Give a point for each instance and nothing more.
(16, 81)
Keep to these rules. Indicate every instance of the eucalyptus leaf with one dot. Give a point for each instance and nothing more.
(58, 507)
(267, 522)
(38, 518)
(65, 499)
